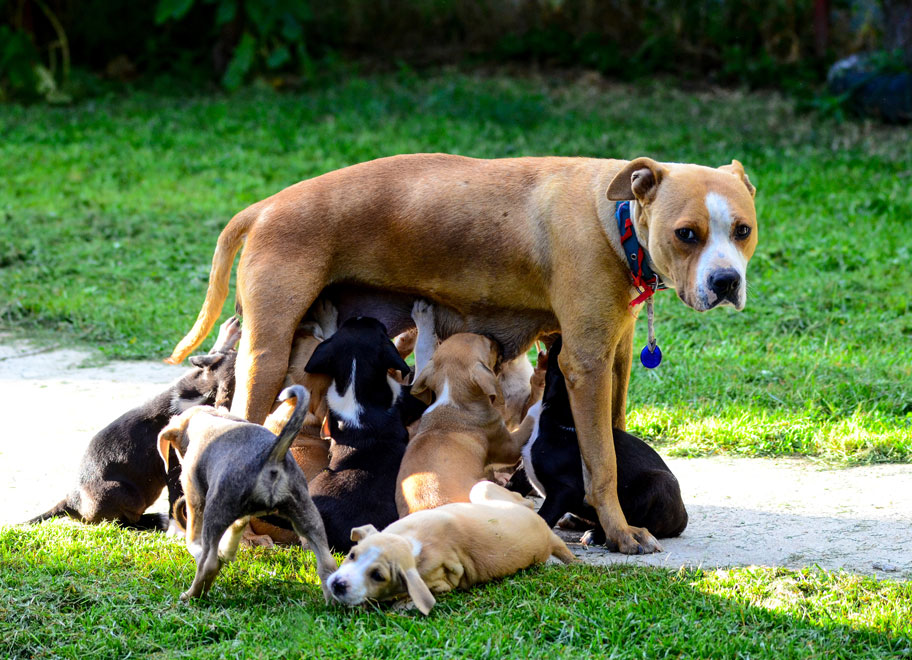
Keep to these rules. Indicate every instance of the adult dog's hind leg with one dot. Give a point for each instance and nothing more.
(274, 303)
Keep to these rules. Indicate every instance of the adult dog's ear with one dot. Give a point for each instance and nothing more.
(322, 359)
(392, 359)
(209, 360)
(360, 533)
(737, 169)
(421, 388)
(639, 180)
(418, 590)
(487, 381)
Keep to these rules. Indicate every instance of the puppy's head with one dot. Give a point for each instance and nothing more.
(380, 566)
(210, 382)
(698, 224)
(461, 372)
(359, 356)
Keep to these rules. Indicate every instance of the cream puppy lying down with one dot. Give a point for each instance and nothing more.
(452, 546)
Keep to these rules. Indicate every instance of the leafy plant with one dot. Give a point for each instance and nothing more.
(32, 66)
(271, 33)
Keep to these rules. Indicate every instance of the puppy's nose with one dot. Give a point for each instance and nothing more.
(339, 586)
(725, 283)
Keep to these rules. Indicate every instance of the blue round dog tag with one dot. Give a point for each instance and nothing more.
(651, 359)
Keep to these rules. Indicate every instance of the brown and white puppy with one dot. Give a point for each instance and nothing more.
(462, 432)
(451, 547)
(510, 248)
(233, 470)
(514, 376)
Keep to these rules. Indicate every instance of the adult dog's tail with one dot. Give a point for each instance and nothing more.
(295, 422)
(229, 242)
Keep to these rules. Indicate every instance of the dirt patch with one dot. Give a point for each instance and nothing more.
(790, 513)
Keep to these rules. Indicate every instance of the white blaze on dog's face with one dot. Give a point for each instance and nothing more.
(698, 224)
(380, 567)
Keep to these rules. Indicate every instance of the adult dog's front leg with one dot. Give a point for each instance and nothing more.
(589, 377)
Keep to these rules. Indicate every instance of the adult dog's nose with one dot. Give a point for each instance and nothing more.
(339, 586)
(725, 283)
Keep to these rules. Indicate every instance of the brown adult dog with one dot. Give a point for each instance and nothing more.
(461, 432)
(509, 248)
(452, 547)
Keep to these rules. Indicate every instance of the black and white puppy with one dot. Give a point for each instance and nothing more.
(649, 493)
(368, 435)
(121, 474)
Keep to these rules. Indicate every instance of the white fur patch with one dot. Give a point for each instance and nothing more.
(534, 411)
(196, 549)
(395, 388)
(443, 399)
(355, 575)
(720, 251)
(179, 404)
(346, 406)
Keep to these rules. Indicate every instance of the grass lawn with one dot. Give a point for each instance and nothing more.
(109, 211)
(73, 591)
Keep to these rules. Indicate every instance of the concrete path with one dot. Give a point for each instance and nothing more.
(742, 511)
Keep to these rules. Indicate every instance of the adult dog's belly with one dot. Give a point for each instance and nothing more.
(513, 327)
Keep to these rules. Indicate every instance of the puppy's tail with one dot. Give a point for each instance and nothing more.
(229, 242)
(293, 425)
(63, 508)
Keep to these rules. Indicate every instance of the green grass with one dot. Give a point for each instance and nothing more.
(75, 591)
(109, 211)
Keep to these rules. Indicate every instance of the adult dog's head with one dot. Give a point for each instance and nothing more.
(698, 225)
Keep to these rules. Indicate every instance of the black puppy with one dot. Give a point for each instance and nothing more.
(368, 436)
(649, 493)
(121, 474)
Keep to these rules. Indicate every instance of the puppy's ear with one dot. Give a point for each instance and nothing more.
(392, 359)
(360, 533)
(418, 590)
(421, 388)
(737, 169)
(487, 381)
(169, 437)
(209, 360)
(322, 359)
(639, 180)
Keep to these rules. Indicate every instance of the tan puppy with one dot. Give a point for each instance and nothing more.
(452, 547)
(510, 248)
(462, 431)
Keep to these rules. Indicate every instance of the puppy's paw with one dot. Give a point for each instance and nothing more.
(423, 314)
(593, 537)
(326, 314)
(257, 540)
(229, 335)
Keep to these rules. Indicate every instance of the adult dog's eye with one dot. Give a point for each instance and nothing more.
(742, 232)
(686, 235)
(376, 576)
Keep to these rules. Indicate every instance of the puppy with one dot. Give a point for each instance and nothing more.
(232, 470)
(368, 436)
(462, 431)
(515, 377)
(649, 493)
(120, 475)
(451, 547)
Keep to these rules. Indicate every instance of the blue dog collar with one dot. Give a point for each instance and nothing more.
(646, 280)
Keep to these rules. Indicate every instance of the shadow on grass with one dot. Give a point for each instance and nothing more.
(75, 591)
